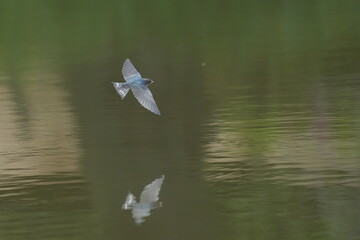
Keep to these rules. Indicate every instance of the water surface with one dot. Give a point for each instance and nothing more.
(259, 136)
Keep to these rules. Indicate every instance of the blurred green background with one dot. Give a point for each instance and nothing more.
(259, 135)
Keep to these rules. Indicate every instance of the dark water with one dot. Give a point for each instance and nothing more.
(259, 136)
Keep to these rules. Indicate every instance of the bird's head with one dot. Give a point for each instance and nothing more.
(148, 81)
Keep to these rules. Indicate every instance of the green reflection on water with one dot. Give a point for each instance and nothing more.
(273, 72)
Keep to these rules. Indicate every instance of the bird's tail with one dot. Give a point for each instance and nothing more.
(130, 201)
(121, 89)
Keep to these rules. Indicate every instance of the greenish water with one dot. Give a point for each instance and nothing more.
(259, 136)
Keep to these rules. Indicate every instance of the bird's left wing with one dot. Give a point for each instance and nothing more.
(129, 71)
(145, 98)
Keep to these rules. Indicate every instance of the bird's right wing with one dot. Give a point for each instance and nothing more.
(129, 71)
(151, 191)
(145, 98)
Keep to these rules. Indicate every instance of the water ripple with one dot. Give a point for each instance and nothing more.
(292, 149)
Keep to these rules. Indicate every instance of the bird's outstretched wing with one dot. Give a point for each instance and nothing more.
(130, 201)
(129, 71)
(145, 98)
(151, 191)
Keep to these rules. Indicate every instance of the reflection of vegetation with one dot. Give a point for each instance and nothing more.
(46, 209)
(248, 30)
(270, 66)
(270, 211)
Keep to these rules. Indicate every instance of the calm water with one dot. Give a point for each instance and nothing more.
(259, 136)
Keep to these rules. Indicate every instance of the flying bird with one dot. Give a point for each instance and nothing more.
(149, 199)
(138, 85)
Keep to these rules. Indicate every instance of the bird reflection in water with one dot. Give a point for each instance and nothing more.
(149, 199)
